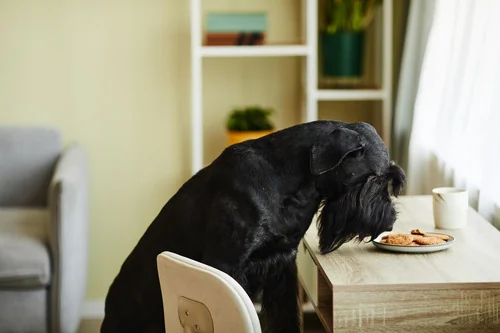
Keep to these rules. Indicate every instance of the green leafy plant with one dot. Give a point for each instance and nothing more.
(349, 15)
(252, 118)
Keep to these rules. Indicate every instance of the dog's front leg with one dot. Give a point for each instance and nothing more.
(280, 299)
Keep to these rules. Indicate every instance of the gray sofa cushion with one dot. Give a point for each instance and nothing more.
(26, 221)
(24, 311)
(27, 159)
(24, 262)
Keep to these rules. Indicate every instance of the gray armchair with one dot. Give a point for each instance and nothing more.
(43, 231)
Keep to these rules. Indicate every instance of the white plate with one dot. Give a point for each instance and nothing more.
(413, 249)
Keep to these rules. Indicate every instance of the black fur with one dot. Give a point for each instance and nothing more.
(246, 213)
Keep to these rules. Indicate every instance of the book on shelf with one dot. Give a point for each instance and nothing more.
(234, 38)
(228, 29)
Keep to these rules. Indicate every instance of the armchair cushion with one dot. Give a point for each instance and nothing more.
(24, 262)
(27, 221)
(24, 257)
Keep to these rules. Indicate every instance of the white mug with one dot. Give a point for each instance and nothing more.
(450, 206)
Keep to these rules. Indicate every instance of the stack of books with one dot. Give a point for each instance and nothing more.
(224, 29)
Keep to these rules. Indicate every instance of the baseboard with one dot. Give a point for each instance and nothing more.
(93, 309)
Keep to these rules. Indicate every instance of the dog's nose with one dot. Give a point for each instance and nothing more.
(389, 228)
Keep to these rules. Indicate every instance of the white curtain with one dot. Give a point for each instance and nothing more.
(417, 31)
(455, 137)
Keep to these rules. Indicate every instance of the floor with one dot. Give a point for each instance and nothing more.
(311, 325)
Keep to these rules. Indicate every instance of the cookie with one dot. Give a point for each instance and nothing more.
(414, 244)
(423, 233)
(427, 240)
(399, 239)
(443, 237)
(418, 232)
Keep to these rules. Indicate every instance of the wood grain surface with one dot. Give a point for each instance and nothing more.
(371, 290)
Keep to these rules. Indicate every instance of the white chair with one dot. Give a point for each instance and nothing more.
(201, 299)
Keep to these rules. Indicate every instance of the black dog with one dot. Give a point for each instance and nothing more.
(246, 213)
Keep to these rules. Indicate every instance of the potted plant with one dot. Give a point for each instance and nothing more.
(248, 123)
(343, 37)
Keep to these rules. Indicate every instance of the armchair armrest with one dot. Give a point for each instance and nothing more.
(68, 238)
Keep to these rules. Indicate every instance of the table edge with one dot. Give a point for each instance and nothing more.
(419, 286)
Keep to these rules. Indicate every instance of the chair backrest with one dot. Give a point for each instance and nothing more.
(199, 298)
(28, 156)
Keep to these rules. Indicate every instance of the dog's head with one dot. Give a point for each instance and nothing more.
(356, 179)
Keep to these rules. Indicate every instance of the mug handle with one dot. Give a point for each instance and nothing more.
(439, 197)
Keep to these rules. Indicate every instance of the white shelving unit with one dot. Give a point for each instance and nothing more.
(308, 51)
(254, 51)
(350, 95)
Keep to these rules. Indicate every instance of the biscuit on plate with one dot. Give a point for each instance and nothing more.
(418, 232)
(399, 239)
(443, 237)
(428, 240)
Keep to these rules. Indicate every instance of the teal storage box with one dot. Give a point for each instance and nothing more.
(236, 22)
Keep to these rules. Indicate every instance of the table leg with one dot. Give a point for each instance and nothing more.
(301, 302)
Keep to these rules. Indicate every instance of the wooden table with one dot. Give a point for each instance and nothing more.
(359, 288)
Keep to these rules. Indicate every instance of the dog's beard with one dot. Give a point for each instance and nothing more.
(365, 210)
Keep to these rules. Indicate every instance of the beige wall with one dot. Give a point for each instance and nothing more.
(114, 75)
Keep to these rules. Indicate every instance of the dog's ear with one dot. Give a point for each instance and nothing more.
(328, 154)
(396, 177)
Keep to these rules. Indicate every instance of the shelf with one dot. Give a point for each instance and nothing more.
(314, 89)
(254, 51)
(307, 307)
(350, 94)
